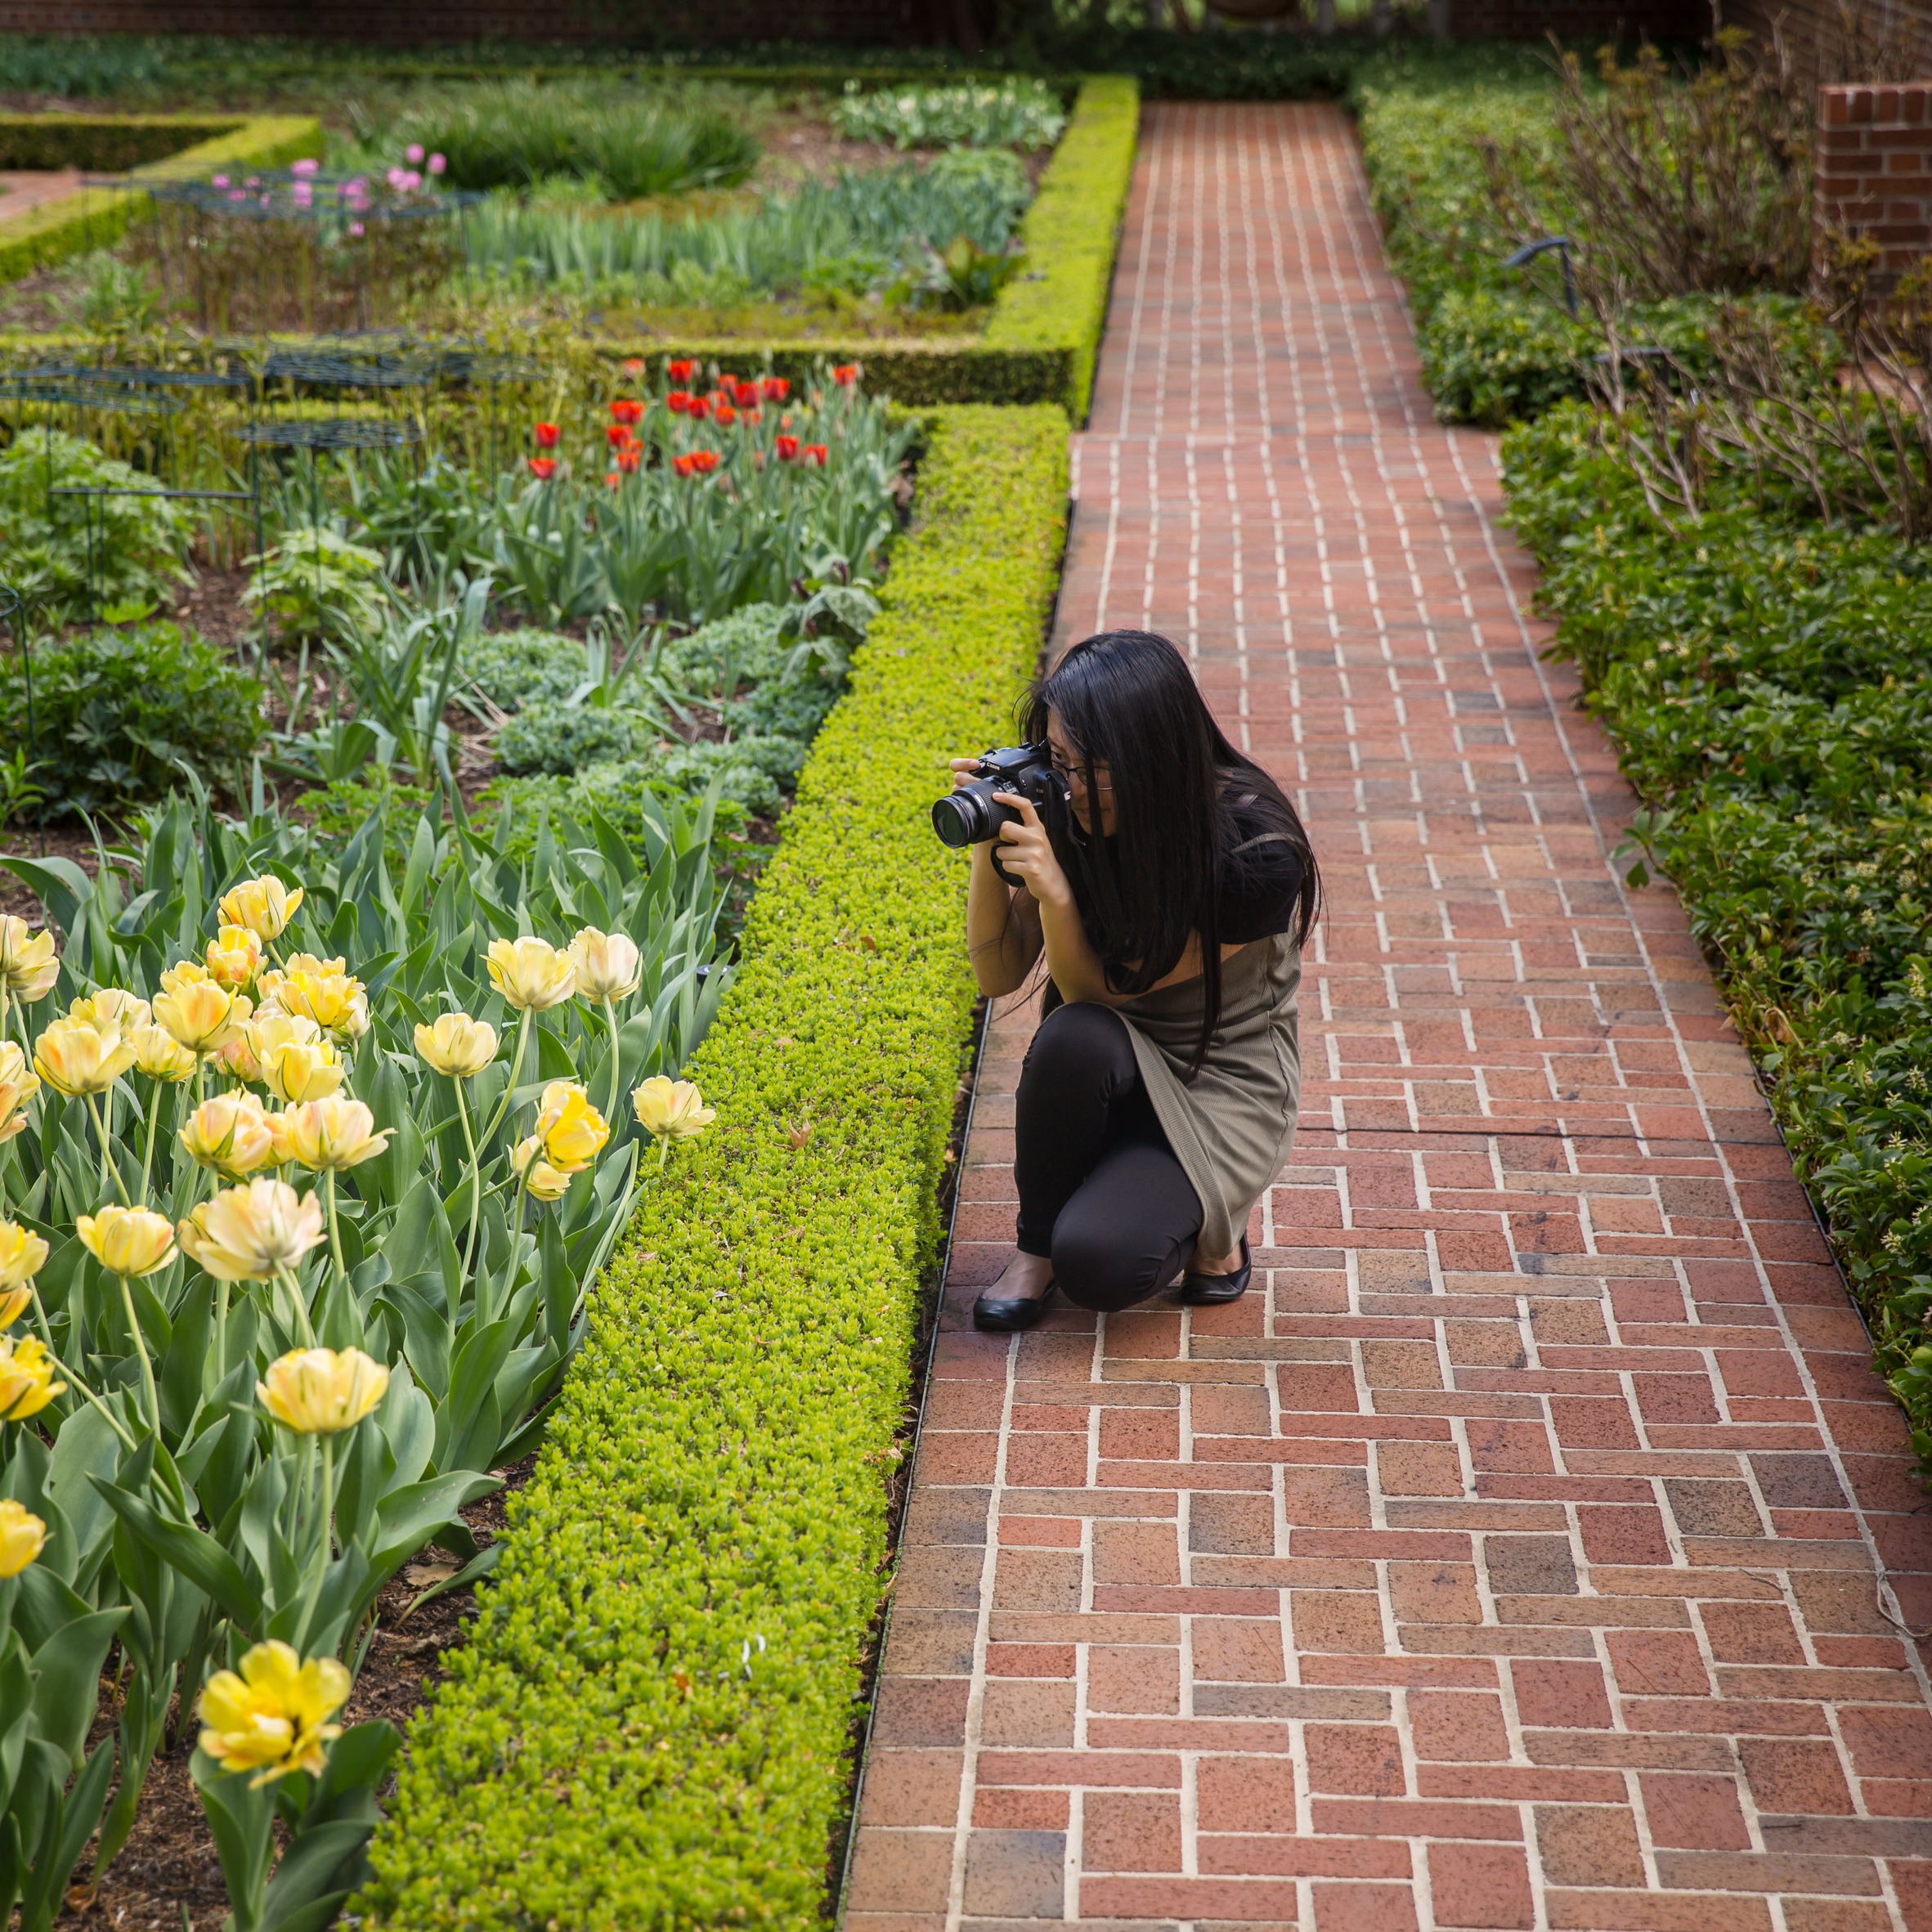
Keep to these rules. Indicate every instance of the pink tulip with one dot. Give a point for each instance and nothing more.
(413, 151)
(437, 163)
(303, 168)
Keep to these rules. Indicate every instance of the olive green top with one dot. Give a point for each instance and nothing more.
(1232, 1120)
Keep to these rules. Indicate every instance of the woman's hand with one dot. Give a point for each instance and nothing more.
(1025, 852)
(964, 770)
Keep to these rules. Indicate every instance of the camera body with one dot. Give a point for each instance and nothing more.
(969, 815)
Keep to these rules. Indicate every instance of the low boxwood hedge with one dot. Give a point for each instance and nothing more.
(95, 218)
(649, 1725)
(1040, 343)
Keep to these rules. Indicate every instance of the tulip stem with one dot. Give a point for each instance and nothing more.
(475, 1180)
(141, 1346)
(323, 1534)
(109, 1168)
(610, 1106)
(147, 1158)
(293, 1287)
(221, 1332)
(503, 1106)
(341, 1274)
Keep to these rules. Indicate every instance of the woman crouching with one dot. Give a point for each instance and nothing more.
(1171, 887)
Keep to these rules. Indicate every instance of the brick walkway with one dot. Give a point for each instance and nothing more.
(1511, 1560)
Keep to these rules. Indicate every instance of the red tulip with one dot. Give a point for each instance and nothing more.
(754, 415)
(774, 388)
(726, 413)
(745, 394)
(787, 448)
(846, 375)
(695, 405)
(817, 453)
(612, 479)
(634, 367)
(627, 409)
(680, 372)
(678, 402)
(546, 435)
(727, 381)
(617, 435)
(630, 458)
(542, 467)
(704, 461)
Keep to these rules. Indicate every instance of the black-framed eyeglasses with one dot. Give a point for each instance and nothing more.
(1070, 775)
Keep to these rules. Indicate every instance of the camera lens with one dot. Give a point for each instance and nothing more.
(957, 818)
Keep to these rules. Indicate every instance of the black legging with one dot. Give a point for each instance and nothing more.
(1101, 1191)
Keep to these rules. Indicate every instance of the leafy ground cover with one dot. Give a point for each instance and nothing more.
(1724, 537)
(690, 1573)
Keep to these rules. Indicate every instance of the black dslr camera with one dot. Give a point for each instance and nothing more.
(970, 815)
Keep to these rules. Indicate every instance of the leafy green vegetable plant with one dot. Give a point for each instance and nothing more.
(1017, 113)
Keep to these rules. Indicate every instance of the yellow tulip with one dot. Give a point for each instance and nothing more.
(457, 1045)
(23, 1536)
(113, 1006)
(273, 1718)
(333, 1132)
(532, 974)
(127, 1241)
(265, 906)
(299, 1071)
(234, 957)
(159, 1055)
(204, 1015)
(22, 1254)
(607, 965)
(27, 1383)
(184, 972)
(14, 1303)
(322, 990)
(230, 1134)
(77, 1059)
(245, 1233)
(29, 966)
(267, 1027)
(18, 1085)
(544, 1182)
(671, 1109)
(316, 1392)
(572, 1130)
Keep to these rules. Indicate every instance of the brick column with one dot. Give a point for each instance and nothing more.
(1874, 177)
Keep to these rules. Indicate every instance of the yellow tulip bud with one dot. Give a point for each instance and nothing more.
(184, 972)
(18, 1085)
(245, 1233)
(671, 1109)
(158, 1055)
(333, 1132)
(23, 1536)
(76, 1058)
(273, 1718)
(112, 1007)
(204, 1016)
(22, 1254)
(457, 1045)
(572, 1131)
(230, 1134)
(543, 1182)
(234, 957)
(27, 1383)
(322, 990)
(316, 1392)
(299, 1071)
(265, 906)
(128, 1241)
(530, 974)
(607, 965)
(29, 966)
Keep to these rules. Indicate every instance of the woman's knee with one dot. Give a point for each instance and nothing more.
(1080, 1043)
(1106, 1268)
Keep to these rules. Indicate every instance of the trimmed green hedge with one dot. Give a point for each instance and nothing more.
(1044, 333)
(1071, 231)
(649, 1726)
(96, 217)
(104, 144)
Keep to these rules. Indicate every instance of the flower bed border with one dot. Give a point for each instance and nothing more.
(650, 1724)
(1044, 333)
(96, 218)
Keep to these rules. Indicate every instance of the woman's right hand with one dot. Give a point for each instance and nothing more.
(964, 770)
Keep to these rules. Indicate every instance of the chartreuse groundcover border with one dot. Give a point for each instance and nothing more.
(649, 1725)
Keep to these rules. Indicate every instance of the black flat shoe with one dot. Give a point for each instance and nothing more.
(994, 1315)
(1208, 1291)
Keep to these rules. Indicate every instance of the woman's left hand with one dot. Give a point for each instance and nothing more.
(1025, 852)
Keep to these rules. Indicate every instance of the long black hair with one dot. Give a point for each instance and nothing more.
(1127, 701)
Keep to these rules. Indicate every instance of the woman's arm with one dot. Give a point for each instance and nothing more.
(1003, 928)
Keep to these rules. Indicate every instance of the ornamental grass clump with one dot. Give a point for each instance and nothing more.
(305, 1173)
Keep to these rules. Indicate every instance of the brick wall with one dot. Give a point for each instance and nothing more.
(1813, 31)
(1534, 20)
(1874, 175)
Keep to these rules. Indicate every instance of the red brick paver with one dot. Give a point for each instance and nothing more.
(1512, 1558)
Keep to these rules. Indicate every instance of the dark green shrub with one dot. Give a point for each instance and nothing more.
(514, 668)
(549, 735)
(118, 712)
